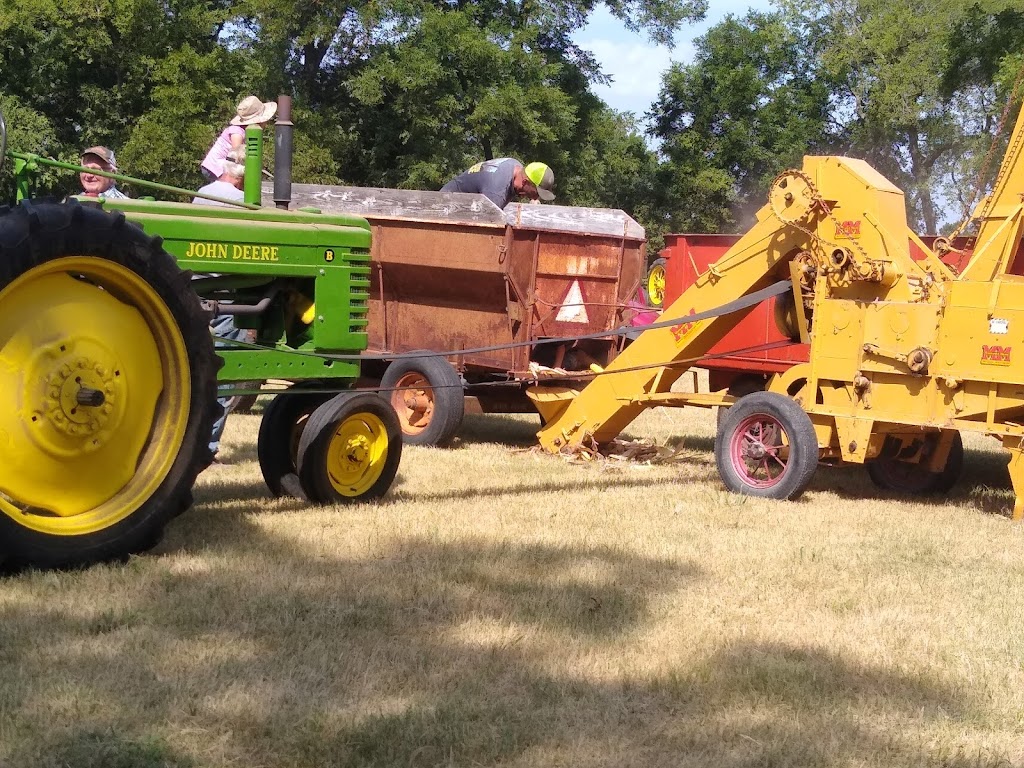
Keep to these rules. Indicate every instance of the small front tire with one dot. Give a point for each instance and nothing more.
(350, 449)
(281, 428)
(767, 447)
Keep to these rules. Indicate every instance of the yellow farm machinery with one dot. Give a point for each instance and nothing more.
(905, 354)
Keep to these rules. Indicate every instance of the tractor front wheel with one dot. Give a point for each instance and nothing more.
(284, 420)
(350, 449)
(109, 371)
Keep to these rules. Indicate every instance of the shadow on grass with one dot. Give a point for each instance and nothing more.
(428, 652)
(516, 431)
(93, 748)
(231, 490)
(258, 655)
(253, 650)
(984, 485)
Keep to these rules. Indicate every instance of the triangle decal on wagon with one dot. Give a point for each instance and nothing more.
(573, 309)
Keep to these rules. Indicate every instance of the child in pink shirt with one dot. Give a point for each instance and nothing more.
(251, 111)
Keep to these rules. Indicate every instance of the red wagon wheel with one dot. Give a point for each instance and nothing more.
(766, 447)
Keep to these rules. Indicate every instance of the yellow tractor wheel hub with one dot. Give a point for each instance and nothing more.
(357, 454)
(656, 285)
(98, 378)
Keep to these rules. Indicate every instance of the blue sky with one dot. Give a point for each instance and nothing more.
(634, 63)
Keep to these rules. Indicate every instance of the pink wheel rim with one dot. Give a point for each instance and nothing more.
(759, 450)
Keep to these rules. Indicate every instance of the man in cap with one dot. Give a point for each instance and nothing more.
(230, 184)
(503, 179)
(93, 185)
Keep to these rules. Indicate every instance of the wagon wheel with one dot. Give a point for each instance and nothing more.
(427, 395)
(914, 478)
(277, 446)
(350, 449)
(655, 282)
(111, 374)
(766, 447)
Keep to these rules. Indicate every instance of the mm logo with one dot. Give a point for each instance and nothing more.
(995, 354)
(847, 229)
(682, 330)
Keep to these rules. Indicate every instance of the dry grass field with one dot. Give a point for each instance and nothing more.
(503, 607)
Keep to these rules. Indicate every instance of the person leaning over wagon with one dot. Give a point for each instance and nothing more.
(229, 186)
(504, 179)
(94, 185)
(250, 111)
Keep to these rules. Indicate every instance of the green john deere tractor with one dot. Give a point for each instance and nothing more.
(110, 374)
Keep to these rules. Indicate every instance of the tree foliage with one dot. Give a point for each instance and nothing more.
(911, 105)
(914, 88)
(746, 108)
(401, 93)
(407, 93)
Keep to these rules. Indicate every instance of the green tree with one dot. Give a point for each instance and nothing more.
(148, 78)
(907, 108)
(745, 109)
(28, 131)
(985, 63)
(419, 90)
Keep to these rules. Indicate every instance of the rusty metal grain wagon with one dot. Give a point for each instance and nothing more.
(455, 272)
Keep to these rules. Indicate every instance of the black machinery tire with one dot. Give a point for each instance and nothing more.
(766, 414)
(740, 387)
(350, 449)
(277, 445)
(891, 474)
(132, 270)
(428, 397)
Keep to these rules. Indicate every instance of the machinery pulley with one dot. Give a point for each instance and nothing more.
(792, 197)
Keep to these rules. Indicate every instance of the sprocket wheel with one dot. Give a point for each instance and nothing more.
(792, 197)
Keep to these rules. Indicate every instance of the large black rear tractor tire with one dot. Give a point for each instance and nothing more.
(110, 386)
(427, 394)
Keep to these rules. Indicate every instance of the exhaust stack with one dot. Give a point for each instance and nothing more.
(283, 152)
